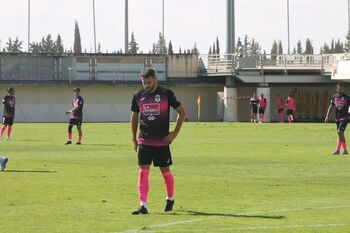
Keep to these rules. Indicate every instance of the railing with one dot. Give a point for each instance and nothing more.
(230, 63)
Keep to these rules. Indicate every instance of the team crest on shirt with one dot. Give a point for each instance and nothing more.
(157, 98)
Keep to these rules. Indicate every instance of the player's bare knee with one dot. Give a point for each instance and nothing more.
(164, 169)
(70, 127)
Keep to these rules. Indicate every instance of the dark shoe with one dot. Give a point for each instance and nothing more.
(3, 164)
(68, 142)
(78, 143)
(345, 152)
(169, 205)
(141, 210)
(336, 152)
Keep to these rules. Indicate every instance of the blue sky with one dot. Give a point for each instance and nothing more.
(186, 21)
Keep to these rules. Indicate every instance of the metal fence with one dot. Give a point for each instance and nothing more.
(70, 67)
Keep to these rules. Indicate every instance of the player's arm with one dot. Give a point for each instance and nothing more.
(179, 120)
(134, 120)
(328, 111)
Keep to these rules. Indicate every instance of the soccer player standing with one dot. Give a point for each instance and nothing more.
(9, 103)
(253, 108)
(76, 117)
(341, 102)
(262, 107)
(290, 106)
(280, 107)
(152, 105)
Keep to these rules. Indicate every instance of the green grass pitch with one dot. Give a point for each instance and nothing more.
(229, 177)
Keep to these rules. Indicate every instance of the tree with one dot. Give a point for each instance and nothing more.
(294, 50)
(326, 49)
(133, 46)
(35, 47)
(48, 45)
(14, 46)
(180, 50)
(77, 40)
(332, 46)
(309, 49)
(254, 48)
(299, 47)
(280, 48)
(210, 52)
(160, 46)
(99, 49)
(338, 47)
(217, 46)
(274, 51)
(347, 43)
(59, 44)
(195, 49)
(170, 48)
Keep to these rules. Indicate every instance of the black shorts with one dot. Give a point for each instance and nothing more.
(73, 121)
(341, 125)
(280, 110)
(254, 109)
(261, 110)
(7, 120)
(160, 155)
(290, 111)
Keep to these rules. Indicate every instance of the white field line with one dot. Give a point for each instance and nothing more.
(256, 228)
(216, 217)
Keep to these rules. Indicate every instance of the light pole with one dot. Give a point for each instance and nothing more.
(163, 18)
(94, 21)
(348, 25)
(288, 27)
(126, 46)
(28, 26)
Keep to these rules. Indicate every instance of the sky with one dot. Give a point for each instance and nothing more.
(186, 22)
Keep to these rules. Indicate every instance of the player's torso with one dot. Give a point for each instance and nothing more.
(154, 116)
(78, 102)
(341, 104)
(290, 103)
(279, 103)
(10, 103)
(262, 103)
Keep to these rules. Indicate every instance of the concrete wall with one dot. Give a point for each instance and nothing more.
(103, 103)
(182, 66)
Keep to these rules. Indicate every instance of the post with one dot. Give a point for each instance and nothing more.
(94, 20)
(28, 26)
(126, 46)
(288, 27)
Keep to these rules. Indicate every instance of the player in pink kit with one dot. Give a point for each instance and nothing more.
(280, 107)
(9, 103)
(262, 107)
(341, 102)
(76, 117)
(290, 106)
(152, 105)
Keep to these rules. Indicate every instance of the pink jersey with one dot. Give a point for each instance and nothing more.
(279, 103)
(262, 102)
(290, 102)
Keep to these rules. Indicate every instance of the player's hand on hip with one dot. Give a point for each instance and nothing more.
(170, 137)
(68, 112)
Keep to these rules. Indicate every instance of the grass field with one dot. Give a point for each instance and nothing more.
(229, 177)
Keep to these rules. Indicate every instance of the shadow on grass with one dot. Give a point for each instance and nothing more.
(30, 171)
(197, 213)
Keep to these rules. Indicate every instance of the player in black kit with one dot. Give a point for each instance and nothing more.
(341, 102)
(9, 103)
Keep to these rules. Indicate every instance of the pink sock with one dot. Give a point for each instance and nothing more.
(280, 117)
(79, 138)
(169, 184)
(339, 143)
(289, 119)
(69, 136)
(292, 118)
(143, 185)
(344, 146)
(9, 130)
(3, 129)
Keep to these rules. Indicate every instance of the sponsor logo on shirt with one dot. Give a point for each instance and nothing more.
(151, 109)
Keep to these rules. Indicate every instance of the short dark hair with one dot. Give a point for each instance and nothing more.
(77, 89)
(339, 85)
(10, 89)
(148, 72)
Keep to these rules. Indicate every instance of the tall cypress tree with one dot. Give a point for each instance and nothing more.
(59, 44)
(77, 40)
(274, 51)
(217, 46)
(299, 47)
(170, 48)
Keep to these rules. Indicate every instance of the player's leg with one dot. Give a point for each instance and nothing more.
(163, 160)
(3, 128)
(80, 134)
(342, 136)
(69, 137)
(144, 155)
(9, 128)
